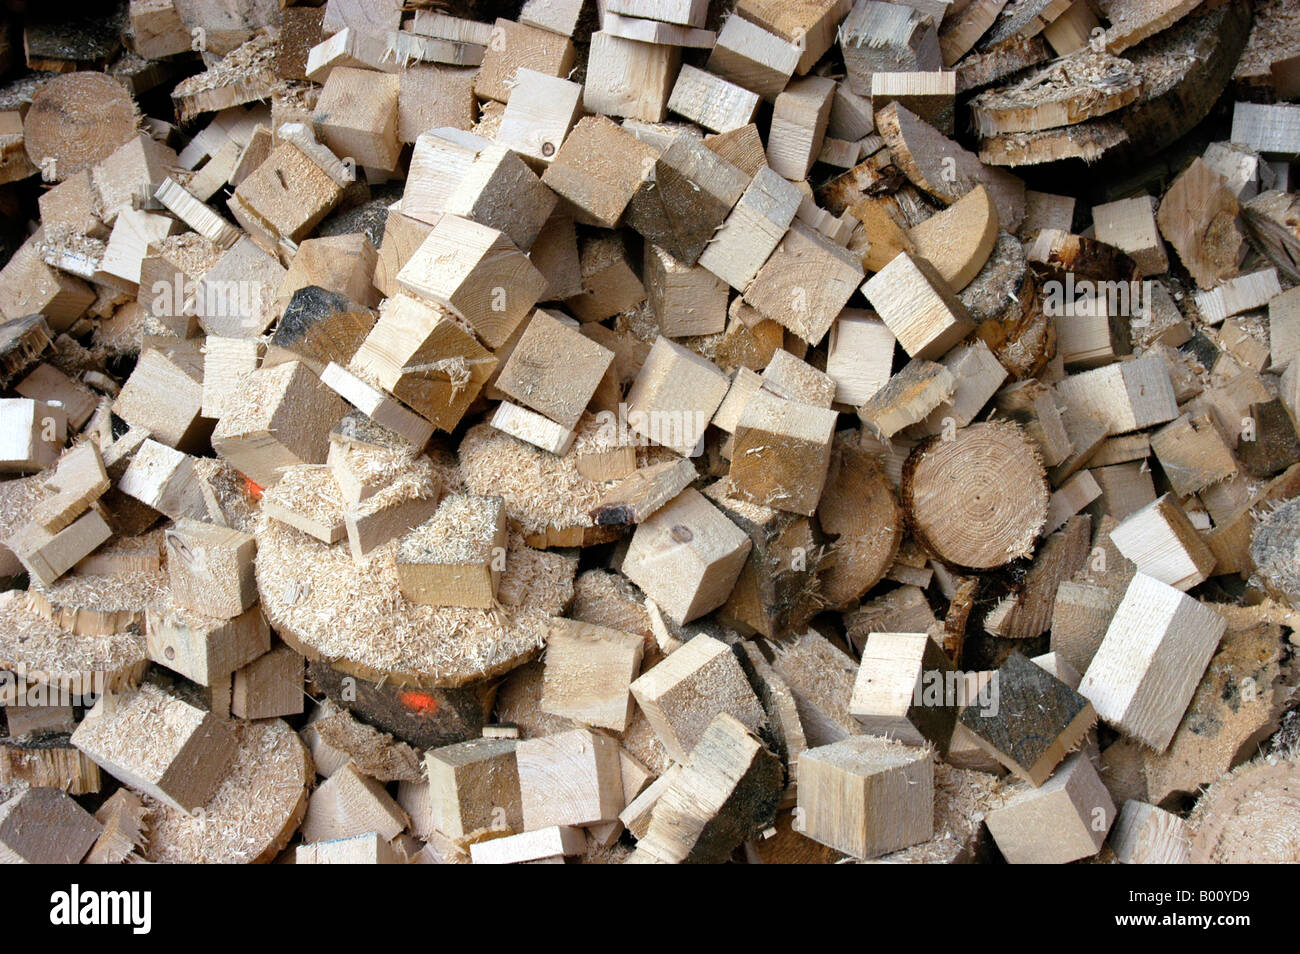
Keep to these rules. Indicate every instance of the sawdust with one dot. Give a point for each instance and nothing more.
(462, 532)
(309, 491)
(56, 657)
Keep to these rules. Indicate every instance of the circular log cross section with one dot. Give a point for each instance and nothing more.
(77, 120)
(978, 500)
(1250, 817)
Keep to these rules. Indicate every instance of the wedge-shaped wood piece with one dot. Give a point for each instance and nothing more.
(687, 556)
(1198, 217)
(474, 786)
(589, 671)
(573, 778)
(867, 796)
(44, 826)
(782, 452)
(725, 793)
(1161, 540)
(1152, 657)
(907, 398)
(79, 480)
(1064, 820)
(158, 745)
(392, 512)
(903, 690)
(1130, 225)
(348, 804)
(959, 240)
(47, 556)
(1037, 722)
(634, 498)
(918, 306)
(282, 417)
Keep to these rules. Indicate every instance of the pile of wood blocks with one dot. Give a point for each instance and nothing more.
(650, 431)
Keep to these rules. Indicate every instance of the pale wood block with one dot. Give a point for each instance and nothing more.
(598, 170)
(907, 398)
(166, 400)
(190, 209)
(1198, 217)
(1271, 130)
(225, 362)
(1146, 835)
(433, 96)
(1239, 294)
(211, 568)
(79, 480)
(1193, 454)
(782, 453)
(753, 230)
(478, 273)
(572, 778)
(884, 37)
(286, 197)
(630, 79)
(236, 296)
(282, 417)
(47, 556)
(1045, 210)
(783, 292)
(28, 287)
(689, 13)
(589, 672)
(500, 191)
(379, 407)
(1153, 655)
(426, 358)
(656, 32)
(1165, 546)
(157, 30)
(270, 686)
(539, 116)
(385, 51)
(1130, 226)
(682, 694)
(554, 842)
(367, 849)
(1070, 498)
(440, 159)
(361, 15)
(166, 480)
(610, 285)
(44, 826)
(674, 396)
(686, 299)
(1037, 721)
(794, 380)
(1247, 350)
(391, 513)
(133, 231)
(555, 255)
(437, 24)
(866, 796)
(636, 816)
(357, 117)
(131, 173)
(901, 689)
(348, 804)
(455, 558)
(798, 126)
(554, 369)
(32, 434)
(711, 101)
(204, 649)
(342, 264)
(1126, 396)
(158, 745)
(309, 499)
(402, 236)
(1125, 488)
(1064, 820)
(634, 497)
(474, 786)
(534, 428)
(1080, 616)
(752, 57)
(918, 306)
(978, 375)
(514, 46)
(860, 356)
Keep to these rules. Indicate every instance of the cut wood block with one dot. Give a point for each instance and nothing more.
(165, 399)
(514, 46)
(572, 778)
(860, 356)
(554, 369)
(158, 745)
(610, 285)
(308, 499)
(47, 556)
(1130, 225)
(128, 244)
(270, 686)
(478, 273)
(794, 380)
(753, 230)
(656, 32)
(1045, 210)
(711, 101)
(958, 241)
(166, 480)
(1198, 217)
(500, 191)
(1275, 445)
(1080, 616)
(211, 568)
(440, 160)
(1165, 546)
(348, 804)
(541, 111)
(437, 24)
(371, 15)
(379, 407)
(918, 306)
(431, 96)
(1271, 130)
(225, 362)
(1064, 820)
(402, 236)
(28, 287)
(195, 214)
(742, 147)
(392, 512)
(1125, 397)
(319, 328)
(552, 843)
(534, 428)
(78, 481)
(1236, 295)
(1146, 835)
(633, 498)
(1154, 653)
(882, 37)
(781, 289)
(343, 264)
(798, 129)
(811, 26)
(589, 671)
(978, 375)
(474, 786)
(282, 417)
(944, 169)
(22, 342)
(1037, 721)
(236, 296)
(367, 849)
(963, 27)
(752, 57)
(867, 796)
(628, 78)
(907, 398)
(32, 434)
(455, 558)
(1237, 342)
(1193, 454)
(931, 96)
(1070, 498)
(781, 454)
(598, 170)
(44, 826)
(725, 793)
(285, 197)
(689, 13)
(675, 396)
(205, 649)
(426, 358)
(686, 299)
(902, 689)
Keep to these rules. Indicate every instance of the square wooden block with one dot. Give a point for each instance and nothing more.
(686, 299)
(629, 79)
(1064, 820)
(782, 453)
(541, 111)
(1161, 540)
(515, 46)
(285, 197)
(554, 368)
(204, 648)
(211, 568)
(500, 191)
(270, 686)
(902, 689)
(918, 306)
(598, 169)
(474, 786)
(357, 117)
(589, 670)
(687, 556)
(674, 397)
(866, 796)
(573, 778)
(455, 558)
